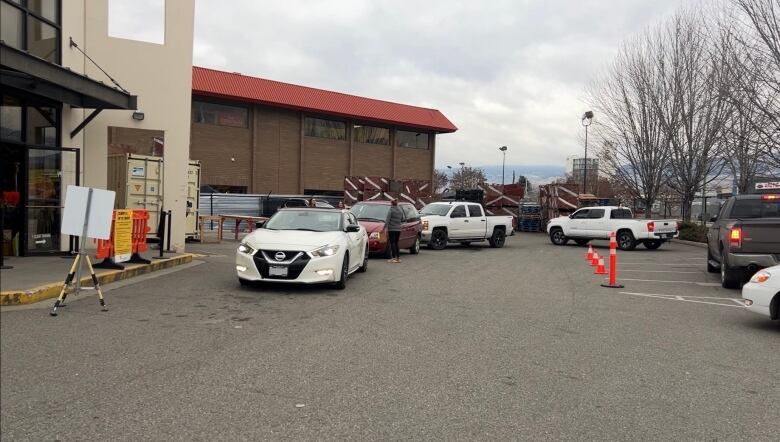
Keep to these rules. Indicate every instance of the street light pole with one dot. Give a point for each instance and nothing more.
(587, 119)
(503, 167)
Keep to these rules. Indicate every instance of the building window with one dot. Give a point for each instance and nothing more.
(219, 114)
(11, 118)
(318, 127)
(371, 135)
(417, 140)
(32, 26)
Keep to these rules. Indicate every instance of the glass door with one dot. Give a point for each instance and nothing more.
(49, 172)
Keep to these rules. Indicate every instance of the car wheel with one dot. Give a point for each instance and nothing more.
(711, 268)
(581, 241)
(498, 239)
(364, 266)
(730, 278)
(557, 237)
(416, 247)
(342, 282)
(626, 241)
(652, 244)
(438, 239)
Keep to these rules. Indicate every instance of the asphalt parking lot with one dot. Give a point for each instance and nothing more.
(462, 344)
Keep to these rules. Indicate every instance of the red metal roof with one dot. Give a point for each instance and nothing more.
(235, 86)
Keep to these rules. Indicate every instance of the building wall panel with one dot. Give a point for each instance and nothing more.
(414, 164)
(372, 160)
(215, 146)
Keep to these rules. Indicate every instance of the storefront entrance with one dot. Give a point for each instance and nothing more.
(33, 180)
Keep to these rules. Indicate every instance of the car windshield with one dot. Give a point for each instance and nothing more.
(309, 220)
(435, 209)
(377, 212)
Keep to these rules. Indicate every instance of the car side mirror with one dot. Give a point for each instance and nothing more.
(352, 228)
(260, 224)
(714, 218)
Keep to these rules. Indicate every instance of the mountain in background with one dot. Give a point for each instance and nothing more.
(536, 173)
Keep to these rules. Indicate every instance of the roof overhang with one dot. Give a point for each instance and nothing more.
(36, 76)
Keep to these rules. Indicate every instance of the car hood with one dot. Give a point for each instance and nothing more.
(372, 226)
(291, 239)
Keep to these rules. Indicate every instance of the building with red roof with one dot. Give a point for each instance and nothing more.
(256, 135)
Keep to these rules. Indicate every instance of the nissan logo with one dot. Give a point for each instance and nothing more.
(280, 256)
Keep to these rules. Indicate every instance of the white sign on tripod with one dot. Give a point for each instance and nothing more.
(98, 220)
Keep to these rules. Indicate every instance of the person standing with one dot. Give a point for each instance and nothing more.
(394, 221)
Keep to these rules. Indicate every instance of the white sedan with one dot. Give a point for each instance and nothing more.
(304, 245)
(762, 294)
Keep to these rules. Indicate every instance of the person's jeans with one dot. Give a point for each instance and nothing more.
(394, 236)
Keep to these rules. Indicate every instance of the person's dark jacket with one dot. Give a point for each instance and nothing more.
(395, 219)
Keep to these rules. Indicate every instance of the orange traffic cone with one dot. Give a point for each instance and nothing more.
(594, 260)
(600, 270)
(589, 255)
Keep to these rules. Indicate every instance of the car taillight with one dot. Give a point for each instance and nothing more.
(735, 237)
(770, 197)
(651, 227)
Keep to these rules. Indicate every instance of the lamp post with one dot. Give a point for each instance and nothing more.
(503, 167)
(587, 119)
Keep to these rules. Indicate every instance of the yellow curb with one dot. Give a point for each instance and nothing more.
(49, 291)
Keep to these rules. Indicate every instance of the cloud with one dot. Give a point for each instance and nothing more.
(505, 72)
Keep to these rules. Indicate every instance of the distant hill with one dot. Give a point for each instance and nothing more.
(536, 173)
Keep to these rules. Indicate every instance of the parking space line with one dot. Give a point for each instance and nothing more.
(703, 284)
(653, 264)
(657, 271)
(684, 299)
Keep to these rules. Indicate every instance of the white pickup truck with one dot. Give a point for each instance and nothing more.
(597, 223)
(462, 222)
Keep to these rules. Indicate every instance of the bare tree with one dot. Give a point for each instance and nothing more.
(693, 104)
(467, 178)
(636, 149)
(751, 30)
(440, 181)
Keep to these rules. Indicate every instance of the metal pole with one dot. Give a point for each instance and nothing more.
(82, 251)
(170, 215)
(503, 171)
(2, 239)
(585, 174)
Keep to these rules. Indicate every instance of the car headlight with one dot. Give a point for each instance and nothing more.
(323, 251)
(425, 224)
(760, 277)
(245, 248)
(375, 235)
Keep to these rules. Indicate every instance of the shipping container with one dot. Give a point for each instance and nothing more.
(193, 199)
(137, 181)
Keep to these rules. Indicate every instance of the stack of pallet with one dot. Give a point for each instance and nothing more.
(502, 200)
(557, 200)
(530, 219)
(373, 188)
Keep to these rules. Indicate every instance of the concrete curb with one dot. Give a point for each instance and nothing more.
(701, 245)
(49, 291)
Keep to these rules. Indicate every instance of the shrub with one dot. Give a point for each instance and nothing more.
(693, 232)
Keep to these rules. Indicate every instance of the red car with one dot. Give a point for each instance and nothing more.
(373, 216)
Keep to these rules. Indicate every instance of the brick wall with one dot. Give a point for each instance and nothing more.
(214, 146)
(414, 163)
(326, 163)
(372, 159)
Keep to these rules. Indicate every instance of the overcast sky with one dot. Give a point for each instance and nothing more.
(505, 72)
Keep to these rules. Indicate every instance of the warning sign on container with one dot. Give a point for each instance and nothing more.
(138, 171)
(123, 235)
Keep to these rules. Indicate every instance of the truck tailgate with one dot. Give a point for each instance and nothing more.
(760, 235)
(665, 226)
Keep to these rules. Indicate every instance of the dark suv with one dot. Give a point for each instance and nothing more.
(744, 238)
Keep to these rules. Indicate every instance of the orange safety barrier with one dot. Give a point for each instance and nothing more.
(105, 247)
